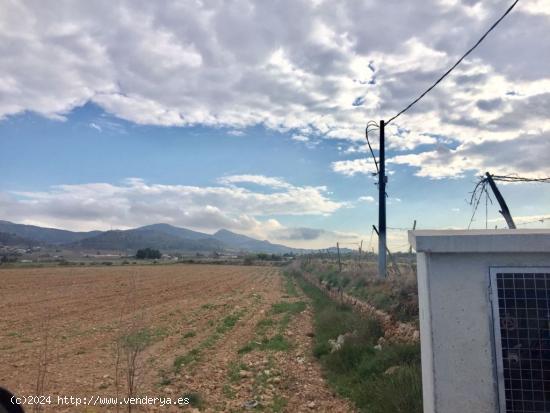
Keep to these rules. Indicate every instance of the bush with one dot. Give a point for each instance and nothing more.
(399, 392)
(358, 371)
(148, 254)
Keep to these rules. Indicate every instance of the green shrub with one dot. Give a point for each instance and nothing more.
(358, 371)
(399, 392)
(148, 254)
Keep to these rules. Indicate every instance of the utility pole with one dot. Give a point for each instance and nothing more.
(394, 263)
(503, 207)
(382, 205)
(339, 262)
(359, 256)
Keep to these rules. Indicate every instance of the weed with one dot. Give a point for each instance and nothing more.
(233, 371)
(264, 325)
(195, 399)
(189, 334)
(190, 357)
(279, 404)
(290, 287)
(228, 323)
(228, 391)
(288, 307)
(164, 379)
(247, 348)
(358, 371)
(275, 343)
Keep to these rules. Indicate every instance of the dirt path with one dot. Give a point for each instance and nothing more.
(207, 336)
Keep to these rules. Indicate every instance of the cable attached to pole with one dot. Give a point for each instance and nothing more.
(495, 24)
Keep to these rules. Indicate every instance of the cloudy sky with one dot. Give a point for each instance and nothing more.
(250, 115)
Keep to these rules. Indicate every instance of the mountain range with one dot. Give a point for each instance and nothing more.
(164, 237)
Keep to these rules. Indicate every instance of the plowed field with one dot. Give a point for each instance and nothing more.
(226, 337)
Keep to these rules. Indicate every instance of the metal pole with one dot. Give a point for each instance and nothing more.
(503, 207)
(394, 263)
(339, 262)
(382, 271)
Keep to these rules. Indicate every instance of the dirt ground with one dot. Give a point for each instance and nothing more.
(206, 332)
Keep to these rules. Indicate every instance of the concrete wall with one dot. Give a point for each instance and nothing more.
(458, 370)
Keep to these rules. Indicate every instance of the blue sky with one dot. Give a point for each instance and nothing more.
(255, 122)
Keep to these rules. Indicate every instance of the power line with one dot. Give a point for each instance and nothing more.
(477, 194)
(541, 220)
(373, 125)
(456, 64)
(515, 178)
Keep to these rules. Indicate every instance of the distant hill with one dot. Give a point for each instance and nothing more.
(243, 243)
(50, 236)
(14, 240)
(133, 239)
(176, 231)
(164, 237)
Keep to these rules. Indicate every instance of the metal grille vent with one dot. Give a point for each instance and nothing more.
(521, 312)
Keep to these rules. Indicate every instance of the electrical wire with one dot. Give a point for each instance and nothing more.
(541, 220)
(495, 24)
(370, 239)
(475, 199)
(375, 126)
(515, 178)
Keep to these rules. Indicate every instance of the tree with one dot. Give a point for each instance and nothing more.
(148, 254)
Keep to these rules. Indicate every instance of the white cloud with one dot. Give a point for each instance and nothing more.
(369, 199)
(255, 179)
(525, 155)
(352, 167)
(95, 126)
(135, 203)
(317, 68)
(300, 138)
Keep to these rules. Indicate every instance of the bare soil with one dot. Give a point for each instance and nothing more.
(197, 317)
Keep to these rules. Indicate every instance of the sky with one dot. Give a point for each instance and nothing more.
(250, 115)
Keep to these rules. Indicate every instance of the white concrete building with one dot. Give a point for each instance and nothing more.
(484, 320)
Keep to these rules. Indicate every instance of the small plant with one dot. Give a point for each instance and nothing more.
(233, 371)
(164, 380)
(186, 359)
(276, 343)
(264, 325)
(377, 381)
(288, 307)
(247, 348)
(228, 391)
(279, 404)
(195, 399)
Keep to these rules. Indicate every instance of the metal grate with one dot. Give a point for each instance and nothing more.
(521, 312)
